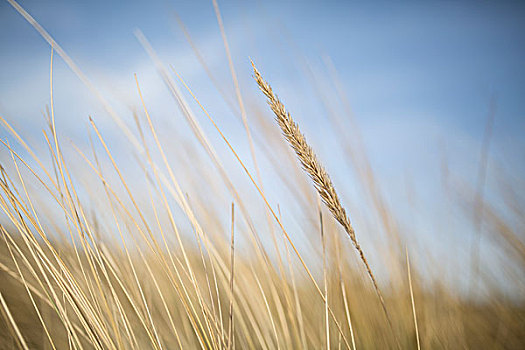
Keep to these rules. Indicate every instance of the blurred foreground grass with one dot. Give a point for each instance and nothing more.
(179, 250)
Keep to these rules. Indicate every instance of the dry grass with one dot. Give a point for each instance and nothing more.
(98, 253)
(315, 170)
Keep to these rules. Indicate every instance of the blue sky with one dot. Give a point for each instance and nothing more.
(419, 77)
(401, 63)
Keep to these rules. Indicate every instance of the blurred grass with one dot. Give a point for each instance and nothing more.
(98, 253)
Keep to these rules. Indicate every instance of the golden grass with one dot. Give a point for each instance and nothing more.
(315, 170)
(96, 253)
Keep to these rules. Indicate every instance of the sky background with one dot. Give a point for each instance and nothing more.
(420, 78)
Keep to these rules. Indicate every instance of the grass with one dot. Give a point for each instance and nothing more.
(177, 252)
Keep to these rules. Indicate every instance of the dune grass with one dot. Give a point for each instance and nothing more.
(186, 248)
